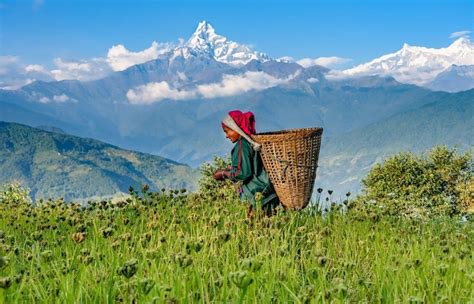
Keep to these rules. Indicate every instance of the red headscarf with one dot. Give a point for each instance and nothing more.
(246, 121)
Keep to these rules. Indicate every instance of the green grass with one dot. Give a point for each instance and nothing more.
(183, 248)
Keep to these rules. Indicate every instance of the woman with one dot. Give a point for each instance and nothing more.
(247, 165)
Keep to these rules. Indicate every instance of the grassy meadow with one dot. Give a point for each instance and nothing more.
(172, 246)
(183, 249)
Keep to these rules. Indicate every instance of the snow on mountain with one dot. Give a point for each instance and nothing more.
(205, 42)
(415, 64)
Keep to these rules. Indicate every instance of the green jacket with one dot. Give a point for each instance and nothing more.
(247, 166)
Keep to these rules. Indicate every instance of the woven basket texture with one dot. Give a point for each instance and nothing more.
(291, 158)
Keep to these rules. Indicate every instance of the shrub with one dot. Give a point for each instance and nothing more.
(420, 185)
(212, 190)
(15, 193)
(466, 195)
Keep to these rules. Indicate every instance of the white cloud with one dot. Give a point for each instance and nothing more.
(120, 58)
(455, 35)
(156, 91)
(312, 80)
(238, 84)
(230, 85)
(336, 75)
(14, 74)
(286, 59)
(36, 68)
(83, 70)
(56, 98)
(328, 62)
(72, 65)
(61, 98)
(44, 99)
(7, 63)
(16, 84)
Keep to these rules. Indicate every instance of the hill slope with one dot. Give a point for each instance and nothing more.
(447, 120)
(60, 165)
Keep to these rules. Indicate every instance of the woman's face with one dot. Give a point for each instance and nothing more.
(231, 134)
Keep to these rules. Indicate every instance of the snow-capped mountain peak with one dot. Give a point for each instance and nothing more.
(204, 37)
(417, 65)
(205, 41)
(461, 43)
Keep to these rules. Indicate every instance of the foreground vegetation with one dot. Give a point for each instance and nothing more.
(172, 246)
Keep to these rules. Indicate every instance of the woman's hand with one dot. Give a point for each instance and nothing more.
(221, 174)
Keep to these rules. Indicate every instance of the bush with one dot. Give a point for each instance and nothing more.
(466, 195)
(419, 185)
(212, 190)
(15, 193)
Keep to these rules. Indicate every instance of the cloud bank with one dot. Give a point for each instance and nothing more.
(7, 63)
(156, 91)
(328, 62)
(120, 58)
(238, 84)
(230, 85)
(83, 70)
(14, 74)
(61, 98)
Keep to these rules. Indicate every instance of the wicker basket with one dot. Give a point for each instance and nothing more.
(291, 158)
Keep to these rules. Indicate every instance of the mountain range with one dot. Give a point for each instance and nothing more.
(421, 66)
(172, 106)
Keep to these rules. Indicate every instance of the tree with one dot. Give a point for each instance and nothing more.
(439, 182)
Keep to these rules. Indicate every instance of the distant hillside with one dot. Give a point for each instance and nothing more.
(11, 112)
(60, 165)
(454, 79)
(347, 158)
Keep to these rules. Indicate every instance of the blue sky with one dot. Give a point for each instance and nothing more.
(39, 31)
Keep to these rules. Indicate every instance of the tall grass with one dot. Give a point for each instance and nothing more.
(176, 247)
